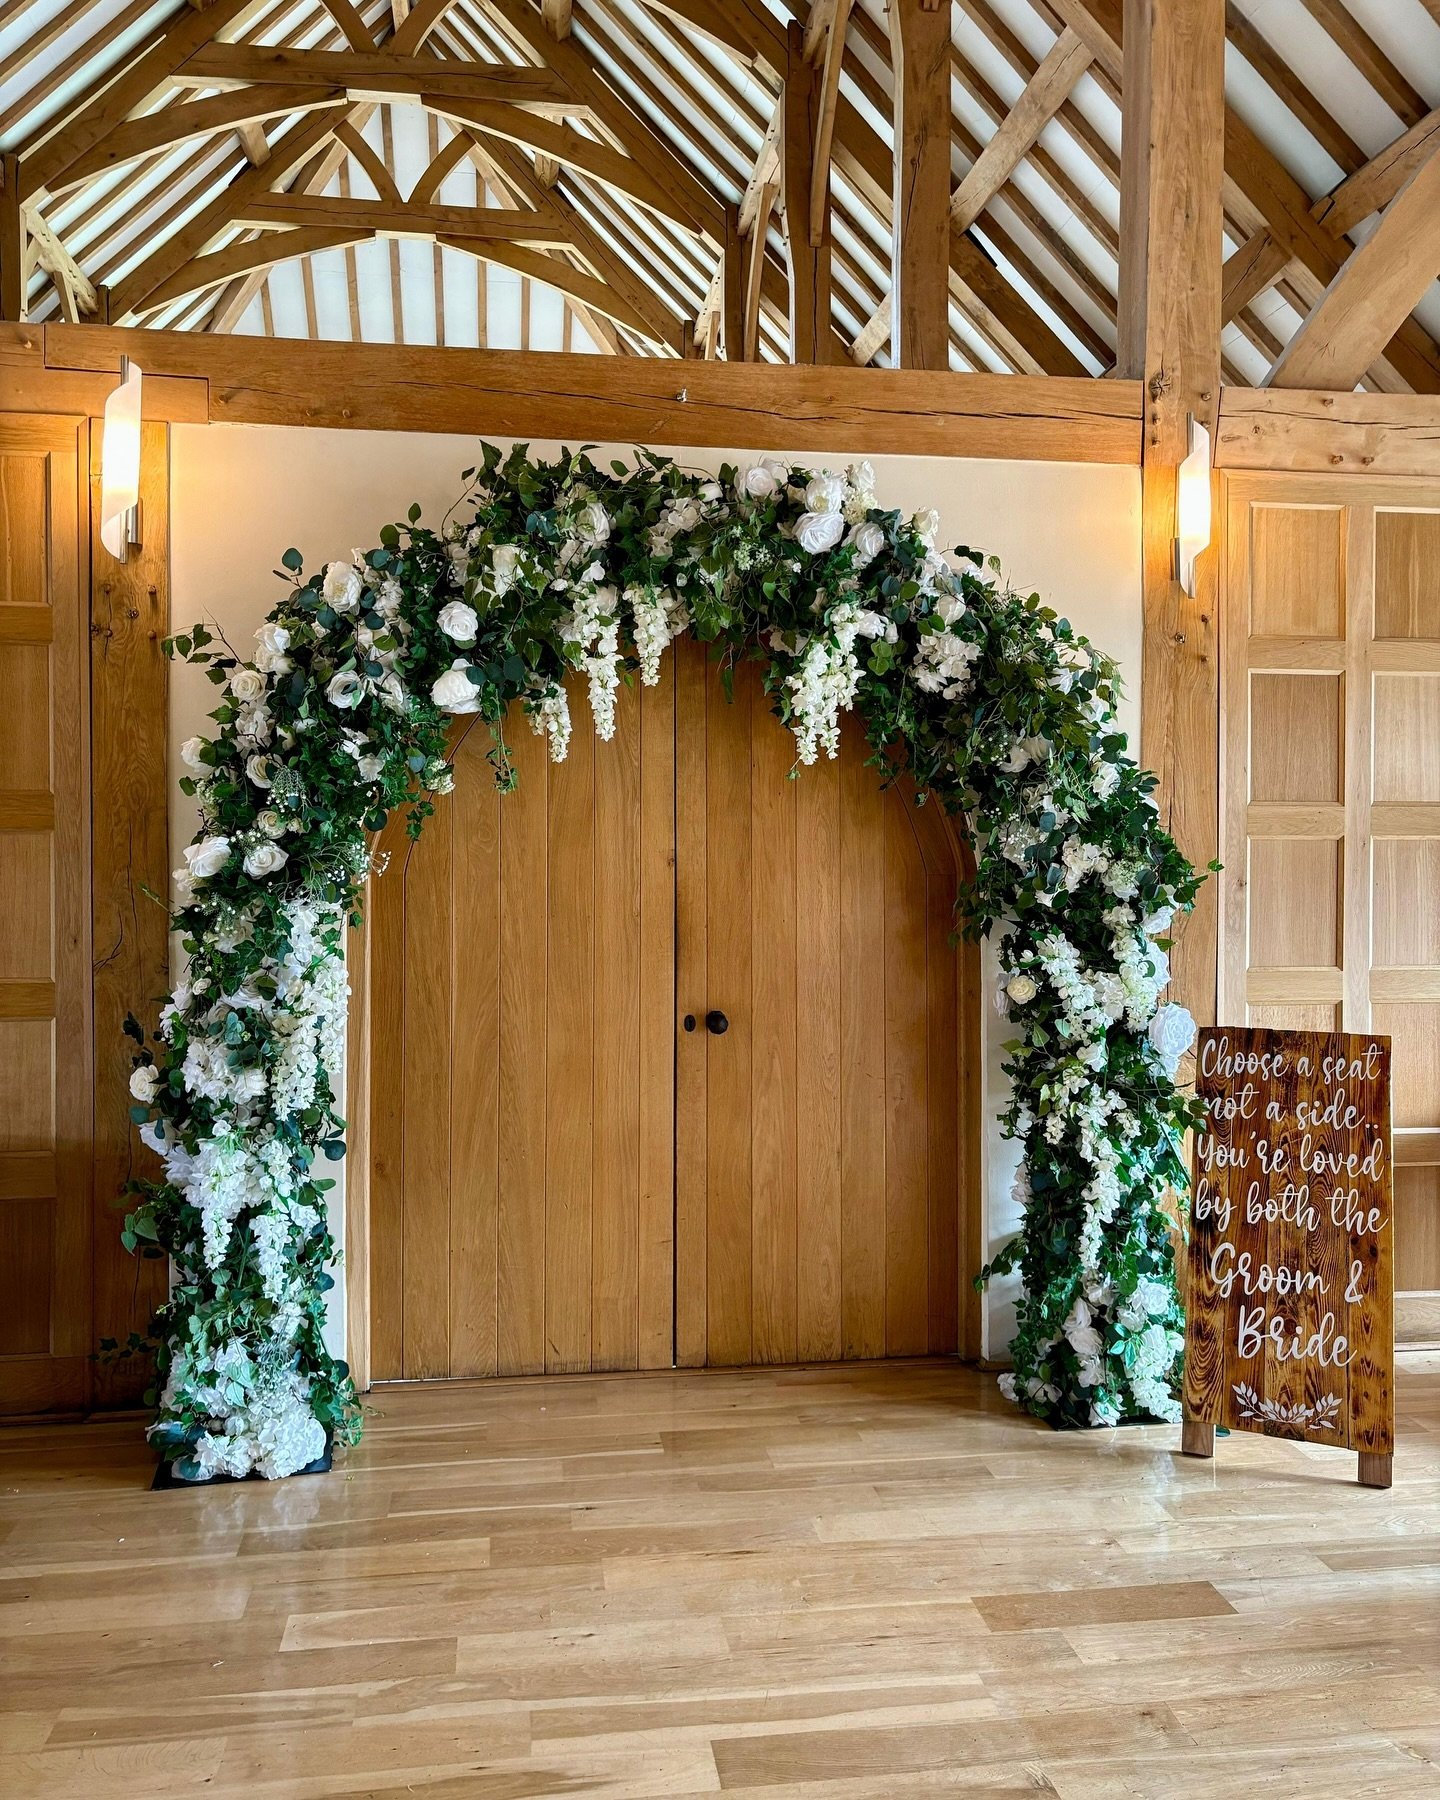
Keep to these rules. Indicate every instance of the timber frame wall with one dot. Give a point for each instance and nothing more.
(67, 371)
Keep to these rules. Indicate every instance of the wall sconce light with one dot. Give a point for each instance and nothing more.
(120, 464)
(1192, 505)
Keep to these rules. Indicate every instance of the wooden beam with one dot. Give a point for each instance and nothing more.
(825, 121)
(1172, 150)
(74, 286)
(591, 398)
(355, 31)
(376, 74)
(809, 264)
(1045, 93)
(370, 161)
(1366, 302)
(559, 274)
(386, 218)
(13, 278)
(249, 256)
(1371, 61)
(920, 214)
(556, 14)
(1329, 434)
(732, 288)
(1376, 183)
(755, 268)
(1257, 265)
(119, 96)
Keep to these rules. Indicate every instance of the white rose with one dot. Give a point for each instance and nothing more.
(247, 685)
(271, 643)
(190, 755)
(344, 689)
(759, 482)
(1021, 989)
(455, 692)
(868, 540)
(258, 769)
(949, 608)
(862, 477)
(593, 523)
(926, 524)
(1085, 1340)
(818, 532)
(711, 491)
(270, 822)
(264, 859)
(825, 493)
(392, 692)
(1172, 1032)
(459, 621)
(208, 857)
(505, 560)
(343, 586)
(145, 1083)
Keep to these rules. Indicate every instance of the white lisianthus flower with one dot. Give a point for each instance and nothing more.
(818, 532)
(825, 493)
(270, 822)
(145, 1083)
(371, 767)
(1021, 989)
(264, 859)
(926, 525)
(592, 523)
(247, 685)
(190, 756)
(1171, 1033)
(344, 689)
(455, 692)
(868, 540)
(271, 643)
(458, 621)
(207, 857)
(343, 586)
(257, 768)
(949, 608)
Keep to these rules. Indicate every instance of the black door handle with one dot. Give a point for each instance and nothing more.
(717, 1023)
(689, 1021)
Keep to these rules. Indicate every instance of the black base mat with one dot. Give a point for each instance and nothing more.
(165, 1476)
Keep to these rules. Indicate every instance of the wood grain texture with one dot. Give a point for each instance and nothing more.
(820, 1187)
(920, 211)
(1351, 434)
(1290, 1290)
(632, 399)
(521, 1185)
(858, 1581)
(46, 1059)
(129, 836)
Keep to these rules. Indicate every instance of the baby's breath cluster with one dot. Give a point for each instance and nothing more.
(560, 569)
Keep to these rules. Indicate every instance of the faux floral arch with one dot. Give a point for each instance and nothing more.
(997, 708)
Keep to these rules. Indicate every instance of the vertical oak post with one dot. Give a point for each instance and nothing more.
(732, 288)
(809, 263)
(12, 242)
(920, 253)
(1172, 165)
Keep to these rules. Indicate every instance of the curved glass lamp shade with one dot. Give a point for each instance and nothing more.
(120, 464)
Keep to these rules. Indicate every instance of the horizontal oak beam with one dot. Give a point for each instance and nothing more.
(219, 65)
(1299, 429)
(828, 408)
(502, 224)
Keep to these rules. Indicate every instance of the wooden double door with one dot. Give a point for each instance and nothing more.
(573, 1163)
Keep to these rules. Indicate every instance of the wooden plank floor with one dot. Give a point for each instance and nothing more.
(864, 1580)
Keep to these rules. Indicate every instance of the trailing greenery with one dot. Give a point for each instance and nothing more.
(546, 569)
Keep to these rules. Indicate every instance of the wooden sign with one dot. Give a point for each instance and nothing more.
(1289, 1303)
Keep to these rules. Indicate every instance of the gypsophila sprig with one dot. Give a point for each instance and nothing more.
(549, 570)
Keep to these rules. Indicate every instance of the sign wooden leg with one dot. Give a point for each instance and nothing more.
(1376, 1468)
(1198, 1439)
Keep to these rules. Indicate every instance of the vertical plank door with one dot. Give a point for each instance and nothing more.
(818, 1155)
(521, 1031)
(45, 1056)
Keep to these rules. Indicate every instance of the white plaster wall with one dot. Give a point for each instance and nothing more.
(241, 495)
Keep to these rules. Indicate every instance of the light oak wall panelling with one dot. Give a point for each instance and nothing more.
(45, 1002)
(129, 689)
(821, 1189)
(521, 1030)
(1331, 797)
